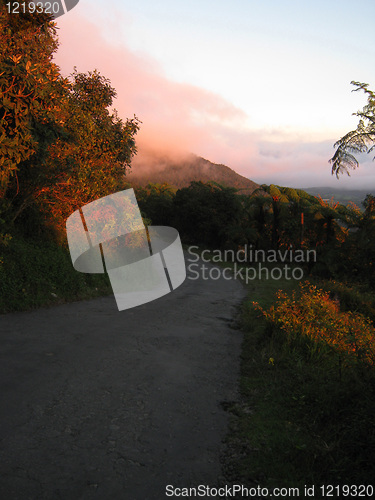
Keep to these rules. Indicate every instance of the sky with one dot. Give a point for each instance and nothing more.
(263, 87)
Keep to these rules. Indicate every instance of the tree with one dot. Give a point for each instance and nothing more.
(369, 205)
(91, 160)
(297, 229)
(60, 147)
(156, 203)
(256, 218)
(357, 254)
(278, 207)
(209, 214)
(360, 140)
(326, 213)
(31, 90)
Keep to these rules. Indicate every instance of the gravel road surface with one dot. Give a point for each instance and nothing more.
(101, 404)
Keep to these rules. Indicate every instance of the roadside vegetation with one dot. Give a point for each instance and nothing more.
(307, 385)
(306, 414)
(36, 273)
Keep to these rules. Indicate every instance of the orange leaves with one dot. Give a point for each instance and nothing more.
(315, 315)
(328, 203)
(16, 59)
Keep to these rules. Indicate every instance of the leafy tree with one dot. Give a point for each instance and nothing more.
(91, 160)
(298, 228)
(369, 204)
(258, 215)
(360, 140)
(60, 147)
(366, 233)
(278, 201)
(31, 89)
(357, 254)
(325, 215)
(156, 203)
(208, 214)
(254, 222)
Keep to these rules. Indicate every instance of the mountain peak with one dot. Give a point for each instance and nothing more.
(181, 171)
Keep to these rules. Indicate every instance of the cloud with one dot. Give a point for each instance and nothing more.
(175, 116)
(178, 118)
(305, 164)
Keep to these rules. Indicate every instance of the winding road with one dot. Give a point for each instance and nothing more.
(101, 404)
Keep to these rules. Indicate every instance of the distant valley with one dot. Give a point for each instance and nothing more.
(343, 196)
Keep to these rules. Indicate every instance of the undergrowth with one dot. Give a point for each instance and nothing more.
(35, 274)
(306, 415)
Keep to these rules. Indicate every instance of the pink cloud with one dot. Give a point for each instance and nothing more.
(175, 116)
(180, 118)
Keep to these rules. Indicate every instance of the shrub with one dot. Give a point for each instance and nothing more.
(313, 315)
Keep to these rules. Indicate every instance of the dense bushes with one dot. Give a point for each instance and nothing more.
(313, 316)
(273, 217)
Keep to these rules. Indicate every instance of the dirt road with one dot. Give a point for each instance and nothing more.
(101, 404)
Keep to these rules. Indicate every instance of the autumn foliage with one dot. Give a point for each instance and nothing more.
(314, 315)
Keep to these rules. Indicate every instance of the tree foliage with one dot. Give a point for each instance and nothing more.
(31, 90)
(91, 160)
(60, 145)
(208, 213)
(360, 140)
(156, 200)
(272, 218)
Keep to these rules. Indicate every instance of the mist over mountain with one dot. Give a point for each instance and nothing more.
(179, 171)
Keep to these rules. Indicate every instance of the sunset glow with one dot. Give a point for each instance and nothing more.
(264, 89)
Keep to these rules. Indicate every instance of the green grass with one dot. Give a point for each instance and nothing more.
(353, 296)
(35, 274)
(298, 422)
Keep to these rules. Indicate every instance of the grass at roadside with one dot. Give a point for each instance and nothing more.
(35, 274)
(301, 419)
